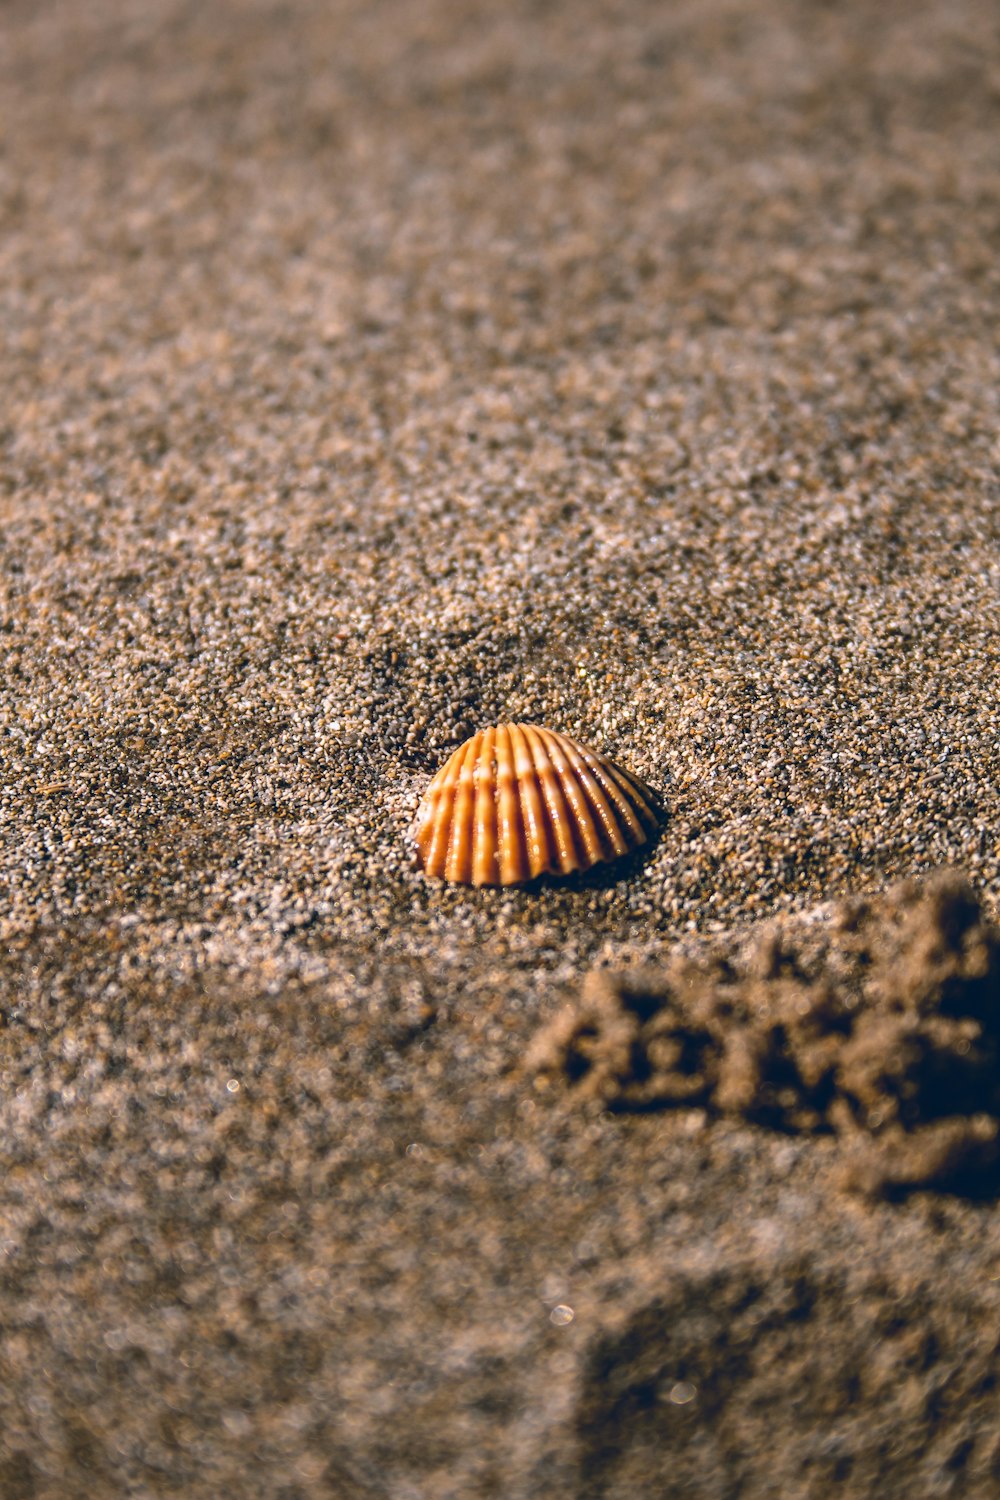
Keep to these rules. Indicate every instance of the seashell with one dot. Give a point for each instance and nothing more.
(518, 801)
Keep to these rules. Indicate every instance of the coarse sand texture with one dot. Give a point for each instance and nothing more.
(374, 374)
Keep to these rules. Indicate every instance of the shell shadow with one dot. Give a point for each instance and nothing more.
(603, 876)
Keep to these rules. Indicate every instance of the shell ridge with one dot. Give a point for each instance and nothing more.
(635, 792)
(630, 823)
(499, 826)
(589, 833)
(585, 837)
(645, 797)
(562, 847)
(459, 857)
(546, 827)
(538, 838)
(579, 824)
(500, 830)
(434, 829)
(511, 834)
(484, 812)
(493, 811)
(607, 823)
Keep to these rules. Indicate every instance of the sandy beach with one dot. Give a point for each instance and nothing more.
(373, 373)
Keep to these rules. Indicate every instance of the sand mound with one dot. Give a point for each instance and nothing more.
(881, 1023)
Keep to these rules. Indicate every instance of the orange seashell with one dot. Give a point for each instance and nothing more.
(518, 801)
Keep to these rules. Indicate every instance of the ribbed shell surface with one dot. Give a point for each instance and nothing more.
(517, 801)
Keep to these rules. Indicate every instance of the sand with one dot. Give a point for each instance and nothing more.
(372, 373)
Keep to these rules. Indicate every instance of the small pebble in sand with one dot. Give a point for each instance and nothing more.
(517, 801)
